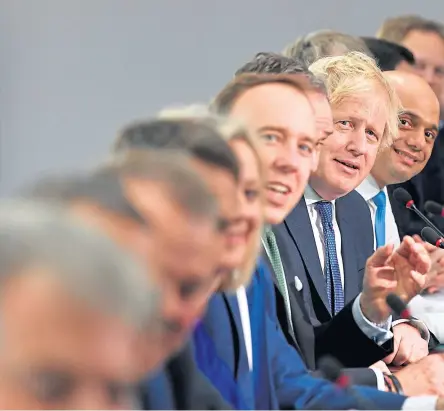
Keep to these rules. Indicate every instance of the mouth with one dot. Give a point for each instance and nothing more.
(278, 188)
(237, 238)
(407, 157)
(352, 165)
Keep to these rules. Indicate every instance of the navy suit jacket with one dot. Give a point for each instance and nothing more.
(316, 332)
(279, 379)
(179, 385)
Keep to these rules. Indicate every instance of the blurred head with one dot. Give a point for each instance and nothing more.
(72, 303)
(365, 114)
(211, 157)
(324, 43)
(390, 56)
(425, 39)
(273, 63)
(418, 129)
(276, 110)
(250, 188)
(178, 241)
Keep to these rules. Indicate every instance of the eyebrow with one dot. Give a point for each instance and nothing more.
(417, 118)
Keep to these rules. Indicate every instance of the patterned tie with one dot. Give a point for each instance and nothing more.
(276, 263)
(332, 273)
(380, 201)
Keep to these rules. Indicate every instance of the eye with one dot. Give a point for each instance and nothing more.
(372, 135)
(439, 71)
(306, 148)
(405, 123)
(120, 394)
(49, 387)
(188, 289)
(344, 124)
(430, 135)
(251, 195)
(270, 137)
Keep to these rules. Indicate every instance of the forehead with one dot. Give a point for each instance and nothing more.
(46, 326)
(425, 44)
(364, 106)
(420, 101)
(277, 105)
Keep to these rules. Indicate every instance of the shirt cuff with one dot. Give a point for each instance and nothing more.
(380, 382)
(420, 403)
(418, 324)
(379, 333)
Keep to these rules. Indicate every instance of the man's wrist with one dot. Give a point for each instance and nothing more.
(370, 313)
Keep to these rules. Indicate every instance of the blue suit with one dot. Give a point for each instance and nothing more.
(279, 379)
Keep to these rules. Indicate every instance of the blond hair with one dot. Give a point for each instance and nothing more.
(395, 29)
(355, 73)
(231, 130)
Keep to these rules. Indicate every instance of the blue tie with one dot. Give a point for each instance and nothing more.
(332, 273)
(380, 201)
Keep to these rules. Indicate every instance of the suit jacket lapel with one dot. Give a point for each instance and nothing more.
(348, 252)
(233, 307)
(300, 229)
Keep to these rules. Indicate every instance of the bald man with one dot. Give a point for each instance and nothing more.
(405, 158)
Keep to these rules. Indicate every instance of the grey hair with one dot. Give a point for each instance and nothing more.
(324, 43)
(103, 189)
(83, 260)
(103, 186)
(273, 63)
(174, 170)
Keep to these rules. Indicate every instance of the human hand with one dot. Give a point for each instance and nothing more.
(409, 346)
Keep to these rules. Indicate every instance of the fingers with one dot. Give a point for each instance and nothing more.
(416, 254)
(420, 258)
(406, 246)
(380, 256)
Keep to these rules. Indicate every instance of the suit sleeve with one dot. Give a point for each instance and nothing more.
(296, 388)
(342, 338)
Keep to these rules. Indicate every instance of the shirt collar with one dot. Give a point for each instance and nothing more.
(312, 196)
(368, 188)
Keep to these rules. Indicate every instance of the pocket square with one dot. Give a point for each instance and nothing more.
(297, 283)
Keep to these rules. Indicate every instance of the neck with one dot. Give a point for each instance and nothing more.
(379, 181)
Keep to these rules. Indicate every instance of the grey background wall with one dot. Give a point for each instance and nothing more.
(73, 71)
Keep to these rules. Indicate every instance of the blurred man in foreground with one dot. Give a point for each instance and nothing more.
(72, 304)
(164, 237)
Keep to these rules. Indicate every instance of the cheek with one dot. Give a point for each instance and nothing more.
(370, 159)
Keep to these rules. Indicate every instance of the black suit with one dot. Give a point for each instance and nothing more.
(317, 332)
(179, 385)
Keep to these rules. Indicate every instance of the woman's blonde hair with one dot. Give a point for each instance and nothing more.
(230, 130)
(355, 73)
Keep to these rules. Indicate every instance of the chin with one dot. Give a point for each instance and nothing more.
(275, 216)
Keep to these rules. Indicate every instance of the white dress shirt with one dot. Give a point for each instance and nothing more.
(246, 325)
(368, 189)
(311, 198)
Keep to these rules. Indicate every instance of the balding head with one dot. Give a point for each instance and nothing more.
(414, 91)
(418, 129)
